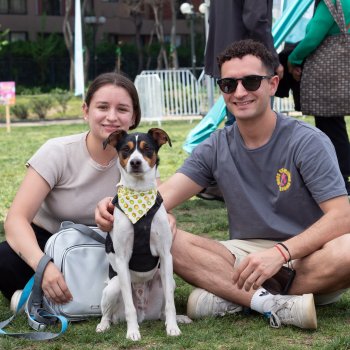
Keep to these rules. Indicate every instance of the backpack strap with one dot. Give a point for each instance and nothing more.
(86, 230)
(37, 317)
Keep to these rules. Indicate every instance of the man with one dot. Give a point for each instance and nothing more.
(231, 21)
(281, 183)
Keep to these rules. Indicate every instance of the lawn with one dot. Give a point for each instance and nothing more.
(198, 216)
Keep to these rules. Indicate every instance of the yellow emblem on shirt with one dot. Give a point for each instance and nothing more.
(283, 179)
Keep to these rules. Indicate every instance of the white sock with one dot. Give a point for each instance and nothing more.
(262, 301)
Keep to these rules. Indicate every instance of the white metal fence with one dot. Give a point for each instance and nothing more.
(179, 93)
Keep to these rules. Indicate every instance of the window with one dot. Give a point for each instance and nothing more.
(18, 36)
(13, 7)
(51, 8)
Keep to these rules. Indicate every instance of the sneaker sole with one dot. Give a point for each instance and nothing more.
(310, 319)
(15, 300)
(192, 303)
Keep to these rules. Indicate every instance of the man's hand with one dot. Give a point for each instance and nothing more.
(104, 214)
(256, 268)
(54, 286)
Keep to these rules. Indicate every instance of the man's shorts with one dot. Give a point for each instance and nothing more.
(241, 248)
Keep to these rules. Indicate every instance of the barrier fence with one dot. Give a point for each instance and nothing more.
(178, 93)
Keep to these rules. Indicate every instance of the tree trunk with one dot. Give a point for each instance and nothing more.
(173, 50)
(138, 20)
(157, 6)
(68, 39)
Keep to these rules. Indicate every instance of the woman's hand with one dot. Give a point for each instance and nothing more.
(104, 214)
(295, 71)
(54, 286)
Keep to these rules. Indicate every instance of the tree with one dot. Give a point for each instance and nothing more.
(3, 38)
(136, 13)
(157, 6)
(43, 49)
(173, 50)
(68, 39)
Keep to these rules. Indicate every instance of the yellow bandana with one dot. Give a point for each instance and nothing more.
(136, 204)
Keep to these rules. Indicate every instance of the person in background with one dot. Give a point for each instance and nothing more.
(65, 179)
(286, 202)
(320, 26)
(288, 83)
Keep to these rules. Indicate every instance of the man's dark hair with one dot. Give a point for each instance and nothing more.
(242, 48)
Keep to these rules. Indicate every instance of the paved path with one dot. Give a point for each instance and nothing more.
(82, 121)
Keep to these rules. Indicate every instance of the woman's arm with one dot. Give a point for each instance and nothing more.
(22, 239)
(316, 31)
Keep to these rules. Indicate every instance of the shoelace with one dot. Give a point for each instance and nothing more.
(224, 306)
(275, 320)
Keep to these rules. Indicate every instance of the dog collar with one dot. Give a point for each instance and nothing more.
(135, 204)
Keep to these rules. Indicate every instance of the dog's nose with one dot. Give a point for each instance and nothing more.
(135, 163)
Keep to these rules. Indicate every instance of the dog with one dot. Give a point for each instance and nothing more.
(141, 269)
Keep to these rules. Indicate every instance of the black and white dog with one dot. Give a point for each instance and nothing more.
(141, 284)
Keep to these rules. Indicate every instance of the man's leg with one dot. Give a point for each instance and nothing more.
(209, 265)
(325, 271)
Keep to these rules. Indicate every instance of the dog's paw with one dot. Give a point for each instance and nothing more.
(183, 319)
(173, 330)
(103, 326)
(133, 334)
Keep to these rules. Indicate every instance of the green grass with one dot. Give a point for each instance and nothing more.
(198, 216)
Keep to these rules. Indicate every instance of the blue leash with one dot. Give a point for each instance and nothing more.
(32, 321)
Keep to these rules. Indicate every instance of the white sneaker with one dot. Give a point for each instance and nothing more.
(202, 303)
(15, 300)
(297, 310)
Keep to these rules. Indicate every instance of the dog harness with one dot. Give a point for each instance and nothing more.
(141, 259)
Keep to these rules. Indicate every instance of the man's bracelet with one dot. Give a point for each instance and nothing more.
(280, 250)
(286, 249)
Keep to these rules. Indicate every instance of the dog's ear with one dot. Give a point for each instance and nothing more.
(114, 138)
(159, 136)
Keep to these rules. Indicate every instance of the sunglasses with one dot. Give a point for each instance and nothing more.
(250, 83)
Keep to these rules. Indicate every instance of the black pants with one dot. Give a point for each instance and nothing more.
(14, 272)
(335, 129)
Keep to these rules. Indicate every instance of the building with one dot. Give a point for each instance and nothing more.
(26, 19)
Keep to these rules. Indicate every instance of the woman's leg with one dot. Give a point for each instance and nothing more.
(14, 272)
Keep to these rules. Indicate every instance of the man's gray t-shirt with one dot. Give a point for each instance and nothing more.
(271, 192)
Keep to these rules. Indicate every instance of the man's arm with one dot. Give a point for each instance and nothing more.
(334, 223)
(256, 268)
(177, 189)
(174, 191)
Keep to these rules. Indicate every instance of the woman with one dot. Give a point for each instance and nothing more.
(320, 26)
(65, 180)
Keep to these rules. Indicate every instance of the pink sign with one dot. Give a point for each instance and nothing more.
(7, 93)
